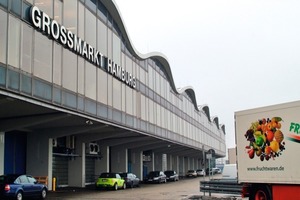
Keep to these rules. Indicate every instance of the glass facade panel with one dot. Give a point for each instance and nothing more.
(117, 94)
(3, 3)
(58, 11)
(2, 75)
(81, 20)
(70, 15)
(90, 81)
(57, 61)
(42, 90)
(80, 79)
(13, 80)
(26, 11)
(90, 28)
(15, 7)
(117, 49)
(69, 78)
(69, 99)
(14, 42)
(46, 6)
(26, 85)
(42, 57)
(26, 49)
(57, 95)
(102, 38)
(3, 36)
(102, 86)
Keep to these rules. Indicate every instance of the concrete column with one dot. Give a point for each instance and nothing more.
(50, 163)
(2, 145)
(170, 162)
(102, 165)
(119, 159)
(76, 168)
(181, 170)
(137, 163)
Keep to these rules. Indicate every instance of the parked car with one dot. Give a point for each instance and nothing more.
(156, 177)
(171, 175)
(16, 186)
(216, 170)
(110, 180)
(131, 179)
(191, 173)
(200, 172)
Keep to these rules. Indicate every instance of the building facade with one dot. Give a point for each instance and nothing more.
(78, 99)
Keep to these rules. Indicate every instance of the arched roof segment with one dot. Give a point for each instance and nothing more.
(205, 109)
(215, 119)
(113, 9)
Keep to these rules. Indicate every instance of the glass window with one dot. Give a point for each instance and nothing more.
(80, 102)
(90, 80)
(26, 84)
(3, 3)
(70, 15)
(3, 36)
(26, 11)
(58, 11)
(15, 7)
(14, 42)
(57, 56)
(42, 90)
(102, 86)
(26, 48)
(42, 57)
(90, 28)
(102, 11)
(2, 75)
(90, 106)
(102, 38)
(69, 99)
(56, 95)
(91, 4)
(23, 179)
(13, 80)
(69, 77)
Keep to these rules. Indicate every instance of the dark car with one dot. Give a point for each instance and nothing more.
(15, 186)
(131, 179)
(172, 175)
(156, 177)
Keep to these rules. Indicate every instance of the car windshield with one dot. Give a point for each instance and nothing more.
(191, 171)
(169, 173)
(108, 175)
(154, 174)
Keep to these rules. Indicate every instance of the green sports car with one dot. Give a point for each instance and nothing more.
(110, 180)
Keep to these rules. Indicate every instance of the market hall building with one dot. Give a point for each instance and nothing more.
(78, 99)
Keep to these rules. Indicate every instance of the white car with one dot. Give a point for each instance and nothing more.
(200, 172)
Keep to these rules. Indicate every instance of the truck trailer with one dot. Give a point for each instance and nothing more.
(267, 144)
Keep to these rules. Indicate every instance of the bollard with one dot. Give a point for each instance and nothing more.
(53, 184)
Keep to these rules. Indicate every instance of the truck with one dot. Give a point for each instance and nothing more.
(267, 144)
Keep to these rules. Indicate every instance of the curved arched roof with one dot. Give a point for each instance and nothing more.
(113, 9)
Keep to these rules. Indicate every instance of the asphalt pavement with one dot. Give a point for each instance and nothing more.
(184, 189)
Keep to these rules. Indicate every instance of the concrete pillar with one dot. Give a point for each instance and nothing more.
(137, 163)
(76, 168)
(181, 170)
(102, 165)
(170, 162)
(2, 143)
(119, 159)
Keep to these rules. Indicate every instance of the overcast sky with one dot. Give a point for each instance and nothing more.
(236, 54)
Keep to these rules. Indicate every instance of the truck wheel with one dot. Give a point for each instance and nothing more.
(261, 193)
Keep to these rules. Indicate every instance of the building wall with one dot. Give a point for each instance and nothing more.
(36, 65)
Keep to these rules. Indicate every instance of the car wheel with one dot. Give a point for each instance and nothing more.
(19, 196)
(131, 184)
(116, 186)
(44, 194)
(124, 186)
